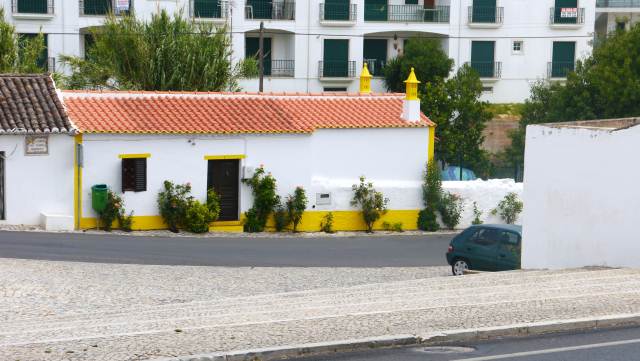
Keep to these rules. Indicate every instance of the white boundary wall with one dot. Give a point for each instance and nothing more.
(582, 198)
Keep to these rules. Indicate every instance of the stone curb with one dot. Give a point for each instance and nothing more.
(445, 337)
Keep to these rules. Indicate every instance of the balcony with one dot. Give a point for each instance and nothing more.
(618, 4)
(104, 7)
(375, 66)
(336, 70)
(276, 10)
(279, 68)
(33, 9)
(209, 10)
(487, 70)
(406, 13)
(338, 14)
(485, 17)
(560, 69)
(566, 17)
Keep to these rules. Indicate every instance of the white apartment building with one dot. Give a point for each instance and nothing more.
(320, 45)
(615, 14)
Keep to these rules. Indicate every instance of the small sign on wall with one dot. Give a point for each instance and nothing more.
(36, 145)
(568, 12)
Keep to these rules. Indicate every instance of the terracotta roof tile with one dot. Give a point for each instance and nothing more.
(220, 113)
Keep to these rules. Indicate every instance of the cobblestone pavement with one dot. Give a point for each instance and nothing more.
(78, 311)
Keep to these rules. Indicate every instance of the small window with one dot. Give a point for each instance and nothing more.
(621, 25)
(487, 89)
(134, 174)
(335, 89)
(518, 47)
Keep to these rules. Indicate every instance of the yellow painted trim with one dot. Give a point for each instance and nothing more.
(342, 221)
(129, 156)
(219, 157)
(77, 184)
(432, 143)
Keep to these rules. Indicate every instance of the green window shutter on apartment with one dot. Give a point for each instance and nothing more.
(375, 10)
(375, 54)
(336, 58)
(564, 55)
(336, 10)
(558, 11)
(484, 11)
(207, 9)
(32, 6)
(411, 2)
(97, 7)
(262, 9)
(252, 47)
(482, 58)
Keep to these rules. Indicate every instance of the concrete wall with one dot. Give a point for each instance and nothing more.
(582, 198)
(37, 184)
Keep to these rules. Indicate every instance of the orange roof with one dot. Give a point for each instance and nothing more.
(226, 113)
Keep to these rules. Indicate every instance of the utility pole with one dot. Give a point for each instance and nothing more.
(261, 56)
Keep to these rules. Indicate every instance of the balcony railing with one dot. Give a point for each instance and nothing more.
(336, 69)
(487, 69)
(104, 7)
(560, 69)
(618, 3)
(486, 15)
(279, 68)
(566, 16)
(338, 12)
(375, 66)
(44, 7)
(209, 9)
(406, 13)
(276, 10)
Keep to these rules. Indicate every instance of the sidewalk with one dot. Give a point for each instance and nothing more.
(116, 312)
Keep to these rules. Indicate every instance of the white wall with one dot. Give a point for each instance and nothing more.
(582, 198)
(327, 160)
(37, 184)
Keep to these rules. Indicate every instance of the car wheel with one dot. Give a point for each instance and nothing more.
(459, 266)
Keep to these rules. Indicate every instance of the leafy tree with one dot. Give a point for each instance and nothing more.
(371, 202)
(604, 85)
(453, 104)
(431, 196)
(296, 205)
(163, 54)
(265, 200)
(19, 55)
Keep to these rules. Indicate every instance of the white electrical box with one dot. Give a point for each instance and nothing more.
(323, 199)
(248, 171)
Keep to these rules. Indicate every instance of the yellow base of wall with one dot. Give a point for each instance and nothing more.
(342, 221)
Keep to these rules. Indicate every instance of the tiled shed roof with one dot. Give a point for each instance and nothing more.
(29, 104)
(227, 113)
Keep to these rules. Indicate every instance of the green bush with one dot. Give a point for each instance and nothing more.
(263, 188)
(326, 225)
(509, 208)
(427, 220)
(112, 210)
(213, 203)
(450, 209)
(125, 221)
(280, 217)
(173, 202)
(431, 196)
(395, 227)
(296, 206)
(198, 217)
(371, 202)
(477, 213)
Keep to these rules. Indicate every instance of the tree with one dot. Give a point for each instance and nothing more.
(19, 55)
(604, 85)
(453, 104)
(163, 54)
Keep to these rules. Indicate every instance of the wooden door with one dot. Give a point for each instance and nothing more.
(224, 178)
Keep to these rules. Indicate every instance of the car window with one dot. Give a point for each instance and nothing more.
(509, 241)
(486, 237)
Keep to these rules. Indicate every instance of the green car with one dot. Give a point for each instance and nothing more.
(487, 247)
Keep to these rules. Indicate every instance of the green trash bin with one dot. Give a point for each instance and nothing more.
(99, 197)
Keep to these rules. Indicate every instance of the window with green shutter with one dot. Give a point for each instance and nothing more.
(32, 6)
(558, 15)
(207, 9)
(336, 58)
(564, 56)
(252, 49)
(97, 7)
(375, 55)
(484, 11)
(336, 10)
(375, 10)
(482, 58)
(261, 9)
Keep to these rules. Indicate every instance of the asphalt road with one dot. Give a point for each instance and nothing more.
(611, 345)
(359, 251)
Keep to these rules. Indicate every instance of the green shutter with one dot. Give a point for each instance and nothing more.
(375, 54)
(207, 9)
(32, 6)
(375, 10)
(558, 11)
(411, 2)
(484, 11)
(336, 58)
(262, 9)
(97, 7)
(482, 58)
(336, 10)
(564, 55)
(252, 48)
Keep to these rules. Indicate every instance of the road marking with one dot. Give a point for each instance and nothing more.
(551, 350)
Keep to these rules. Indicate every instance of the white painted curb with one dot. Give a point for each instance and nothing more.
(445, 337)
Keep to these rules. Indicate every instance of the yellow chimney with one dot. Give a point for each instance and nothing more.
(365, 80)
(412, 86)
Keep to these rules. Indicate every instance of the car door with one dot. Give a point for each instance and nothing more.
(508, 256)
(482, 248)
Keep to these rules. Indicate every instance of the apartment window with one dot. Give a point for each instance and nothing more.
(517, 47)
(326, 89)
(621, 25)
(134, 174)
(482, 58)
